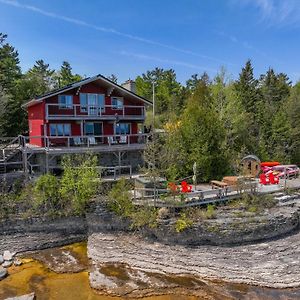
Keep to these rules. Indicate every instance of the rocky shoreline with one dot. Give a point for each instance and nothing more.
(158, 261)
(273, 264)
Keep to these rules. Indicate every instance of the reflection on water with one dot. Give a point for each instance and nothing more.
(33, 276)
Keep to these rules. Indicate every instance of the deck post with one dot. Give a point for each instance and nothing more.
(25, 162)
(119, 158)
(47, 162)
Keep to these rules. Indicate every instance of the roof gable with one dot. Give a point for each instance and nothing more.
(85, 81)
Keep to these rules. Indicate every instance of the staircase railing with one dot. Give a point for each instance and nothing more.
(14, 144)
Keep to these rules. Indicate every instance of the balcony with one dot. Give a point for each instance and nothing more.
(77, 144)
(89, 112)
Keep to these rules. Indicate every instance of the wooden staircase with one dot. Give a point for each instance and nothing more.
(10, 152)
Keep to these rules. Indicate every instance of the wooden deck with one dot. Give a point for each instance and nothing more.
(77, 149)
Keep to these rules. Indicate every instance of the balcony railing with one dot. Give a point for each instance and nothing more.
(86, 141)
(59, 111)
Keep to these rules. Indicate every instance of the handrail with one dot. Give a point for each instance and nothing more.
(91, 110)
(13, 142)
(89, 140)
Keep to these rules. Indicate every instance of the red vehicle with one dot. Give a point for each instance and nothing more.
(288, 170)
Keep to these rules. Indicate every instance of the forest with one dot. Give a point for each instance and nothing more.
(211, 121)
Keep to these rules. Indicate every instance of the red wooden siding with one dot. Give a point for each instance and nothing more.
(36, 119)
(37, 114)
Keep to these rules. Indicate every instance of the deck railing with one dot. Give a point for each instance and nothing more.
(85, 140)
(90, 111)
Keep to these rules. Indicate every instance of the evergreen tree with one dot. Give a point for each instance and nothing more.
(9, 64)
(166, 88)
(247, 89)
(65, 75)
(293, 113)
(113, 78)
(200, 137)
(43, 77)
(247, 94)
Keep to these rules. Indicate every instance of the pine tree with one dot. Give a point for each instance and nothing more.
(9, 64)
(43, 77)
(65, 75)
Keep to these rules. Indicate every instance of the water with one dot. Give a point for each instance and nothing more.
(34, 276)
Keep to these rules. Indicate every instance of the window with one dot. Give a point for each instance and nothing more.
(92, 103)
(65, 101)
(93, 128)
(117, 102)
(122, 128)
(60, 129)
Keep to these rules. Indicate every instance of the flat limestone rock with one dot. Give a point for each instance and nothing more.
(7, 264)
(24, 297)
(273, 264)
(1, 259)
(7, 255)
(3, 273)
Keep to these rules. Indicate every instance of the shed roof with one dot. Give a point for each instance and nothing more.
(251, 157)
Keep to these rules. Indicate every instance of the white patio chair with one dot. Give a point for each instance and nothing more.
(123, 139)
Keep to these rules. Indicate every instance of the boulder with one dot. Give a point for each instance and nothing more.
(7, 255)
(17, 262)
(3, 273)
(24, 297)
(1, 259)
(7, 263)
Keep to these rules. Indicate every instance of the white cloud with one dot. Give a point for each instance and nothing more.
(35, 9)
(276, 12)
(167, 61)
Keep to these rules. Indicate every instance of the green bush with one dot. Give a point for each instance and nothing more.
(210, 211)
(80, 181)
(183, 222)
(46, 193)
(119, 200)
(144, 216)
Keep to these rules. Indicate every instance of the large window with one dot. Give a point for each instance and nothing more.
(92, 103)
(60, 129)
(93, 128)
(117, 102)
(122, 128)
(65, 101)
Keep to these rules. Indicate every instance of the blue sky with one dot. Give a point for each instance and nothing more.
(129, 37)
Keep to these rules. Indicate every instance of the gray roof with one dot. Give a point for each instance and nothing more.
(253, 157)
(83, 82)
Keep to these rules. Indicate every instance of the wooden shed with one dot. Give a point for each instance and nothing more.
(250, 166)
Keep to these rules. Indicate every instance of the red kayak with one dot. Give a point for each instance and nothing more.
(269, 164)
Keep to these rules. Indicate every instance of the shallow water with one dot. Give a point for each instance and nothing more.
(34, 276)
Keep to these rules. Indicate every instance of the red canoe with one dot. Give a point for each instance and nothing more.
(269, 164)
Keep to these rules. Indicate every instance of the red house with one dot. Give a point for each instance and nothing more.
(92, 111)
(92, 114)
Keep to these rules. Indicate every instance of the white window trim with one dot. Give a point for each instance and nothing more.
(61, 106)
(56, 131)
(87, 108)
(119, 98)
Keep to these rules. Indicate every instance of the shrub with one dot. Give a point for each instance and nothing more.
(46, 192)
(119, 200)
(182, 223)
(80, 180)
(144, 216)
(210, 211)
